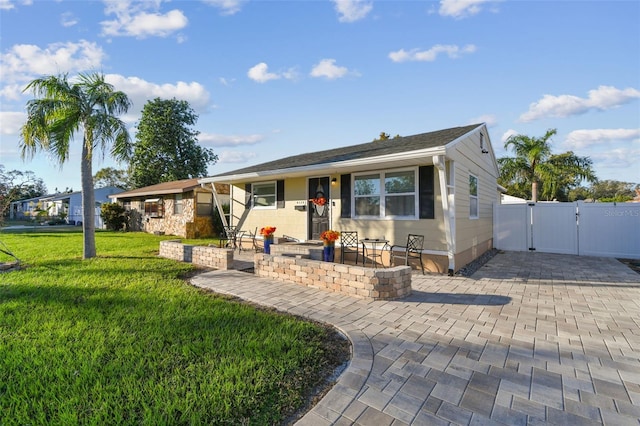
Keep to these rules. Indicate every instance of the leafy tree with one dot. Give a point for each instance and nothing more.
(61, 109)
(166, 147)
(534, 164)
(113, 215)
(17, 185)
(614, 190)
(109, 176)
(385, 136)
(579, 193)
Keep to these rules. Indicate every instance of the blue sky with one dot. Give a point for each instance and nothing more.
(270, 79)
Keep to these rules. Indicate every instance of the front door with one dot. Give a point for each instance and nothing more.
(319, 205)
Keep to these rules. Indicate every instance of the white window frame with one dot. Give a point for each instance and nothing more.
(275, 195)
(382, 195)
(474, 198)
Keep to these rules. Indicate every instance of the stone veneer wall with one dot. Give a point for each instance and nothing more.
(208, 256)
(366, 283)
(186, 224)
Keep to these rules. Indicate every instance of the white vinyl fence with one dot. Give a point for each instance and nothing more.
(75, 216)
(587, 229)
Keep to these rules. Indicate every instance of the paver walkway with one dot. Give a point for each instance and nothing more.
(531, 338)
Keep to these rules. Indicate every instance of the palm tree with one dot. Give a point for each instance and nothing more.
(60, 110)
(535, 164)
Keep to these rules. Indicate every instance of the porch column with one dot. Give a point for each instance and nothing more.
(447, 210)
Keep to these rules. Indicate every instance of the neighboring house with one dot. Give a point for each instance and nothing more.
(386, 188)
(25, 209)
(183, 208)
(62, 205)
(71, 204)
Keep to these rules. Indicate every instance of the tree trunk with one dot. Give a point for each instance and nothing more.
(88, 205)
(534, 191)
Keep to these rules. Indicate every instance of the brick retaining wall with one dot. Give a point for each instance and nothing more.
(208, 256)
(366, 283)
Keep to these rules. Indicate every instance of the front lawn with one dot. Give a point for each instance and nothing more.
(122, 339)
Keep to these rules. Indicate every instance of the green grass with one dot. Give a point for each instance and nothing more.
(122, 339)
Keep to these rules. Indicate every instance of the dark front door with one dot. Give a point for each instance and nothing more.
(319, 206)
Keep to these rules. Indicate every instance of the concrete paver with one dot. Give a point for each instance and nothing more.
(530, 338)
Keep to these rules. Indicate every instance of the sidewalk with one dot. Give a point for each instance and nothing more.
(530, 338)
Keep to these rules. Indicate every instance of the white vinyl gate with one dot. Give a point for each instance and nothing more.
(588, 229)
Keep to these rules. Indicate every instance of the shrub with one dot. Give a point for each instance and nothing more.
(113, 215)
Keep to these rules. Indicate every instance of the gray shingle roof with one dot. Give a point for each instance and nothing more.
(365, 150)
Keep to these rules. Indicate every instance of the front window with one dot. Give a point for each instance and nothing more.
(177, 204)
(389, 194)
(367, 195)
(264, 195)
(204, 204)
(153, 207)
(473, 197)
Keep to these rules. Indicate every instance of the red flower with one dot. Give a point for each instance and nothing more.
(267, 231)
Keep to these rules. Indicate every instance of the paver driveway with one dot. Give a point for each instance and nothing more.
(531, 338)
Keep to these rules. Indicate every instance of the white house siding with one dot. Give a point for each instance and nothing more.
(473, 236)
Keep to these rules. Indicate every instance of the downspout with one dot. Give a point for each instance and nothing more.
(218, 205)
(447, 210)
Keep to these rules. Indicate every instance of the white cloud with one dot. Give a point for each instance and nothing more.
(226, 81)
(352, 10)
(11, 92)
(328, 69)
(235, 157)
(9, 4)
(11, 122)
(490, 119)
(506, 135)
(261, 74)
(25, 61)
(140, 91)
(227, 7)
(141, 19)
(213, 139)
(619, 158)
(461, 8)
(584, 138)
(602, 98)
(430, 55)
(67, 19)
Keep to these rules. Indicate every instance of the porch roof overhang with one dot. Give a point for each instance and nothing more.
(395, 160)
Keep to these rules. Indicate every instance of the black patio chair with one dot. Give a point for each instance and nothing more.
(349, 244)
(413, 249)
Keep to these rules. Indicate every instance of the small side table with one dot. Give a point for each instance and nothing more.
(377, 248)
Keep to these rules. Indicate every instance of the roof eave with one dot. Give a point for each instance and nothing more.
(157, 192)
(391, 160)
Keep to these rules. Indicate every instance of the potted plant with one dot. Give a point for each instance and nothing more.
(329, 238)
(267, 234)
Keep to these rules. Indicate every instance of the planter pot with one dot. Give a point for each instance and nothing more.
(329, 252)
(267, 245)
